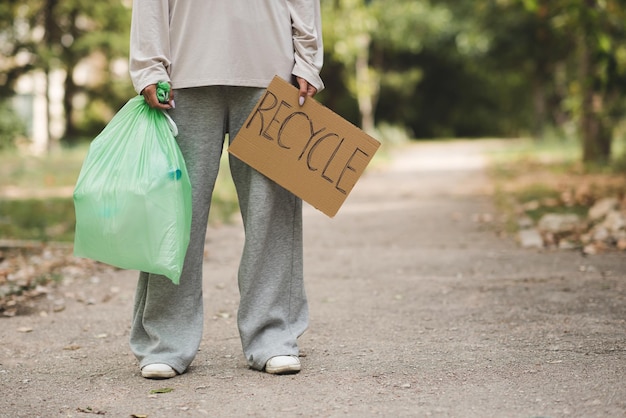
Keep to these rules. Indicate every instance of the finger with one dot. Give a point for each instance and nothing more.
(155, 104)
(172, 104)
(304, 90)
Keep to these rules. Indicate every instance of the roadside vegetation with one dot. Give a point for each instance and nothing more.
(544, 187)
(36, 195)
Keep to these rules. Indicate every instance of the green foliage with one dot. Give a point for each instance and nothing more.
(409, 25)
(11, 127)
(594, 66)
(93, 117)
(482, 67)
(38, 219)
(32, 215)
(49, 35)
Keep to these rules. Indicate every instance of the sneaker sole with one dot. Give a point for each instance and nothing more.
(288, 369)
(158, 375)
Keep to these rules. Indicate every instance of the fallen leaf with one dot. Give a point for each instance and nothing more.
(72, 347)
(139, 416)
(162, 390)
(90, 410)
(25, 329)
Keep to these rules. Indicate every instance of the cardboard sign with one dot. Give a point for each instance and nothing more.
(309, 150)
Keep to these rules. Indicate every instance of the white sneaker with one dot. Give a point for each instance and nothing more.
(157, 371)
(283, 365)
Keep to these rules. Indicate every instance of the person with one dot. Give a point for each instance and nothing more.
(219, 57)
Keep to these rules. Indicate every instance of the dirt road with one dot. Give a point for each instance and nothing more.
(418, 309)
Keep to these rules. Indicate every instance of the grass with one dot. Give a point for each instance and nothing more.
(36, 195)
(37, 219)
(30, 173)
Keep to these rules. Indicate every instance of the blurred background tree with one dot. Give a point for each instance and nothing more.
(598, 30)
(433, 69)
(85, 41)
(475, 68)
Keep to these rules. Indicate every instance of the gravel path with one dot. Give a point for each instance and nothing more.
(418, 309)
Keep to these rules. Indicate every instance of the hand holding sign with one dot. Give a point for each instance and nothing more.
(306, 90)
(308, 149)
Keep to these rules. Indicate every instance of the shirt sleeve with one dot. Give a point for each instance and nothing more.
(307, 40)
(150, 58)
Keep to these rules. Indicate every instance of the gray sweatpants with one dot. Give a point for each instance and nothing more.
(168, 319)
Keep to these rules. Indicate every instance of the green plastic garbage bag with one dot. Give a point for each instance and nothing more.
(133, 196)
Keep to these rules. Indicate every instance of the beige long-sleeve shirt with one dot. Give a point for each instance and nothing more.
(194, 43)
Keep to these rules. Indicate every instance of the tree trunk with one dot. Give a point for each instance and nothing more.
(70, 61)
(70, 88)
(51, 33)
(539, 108)
(595, 130)
(596, 133)
(49, 144)
(366, 86)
